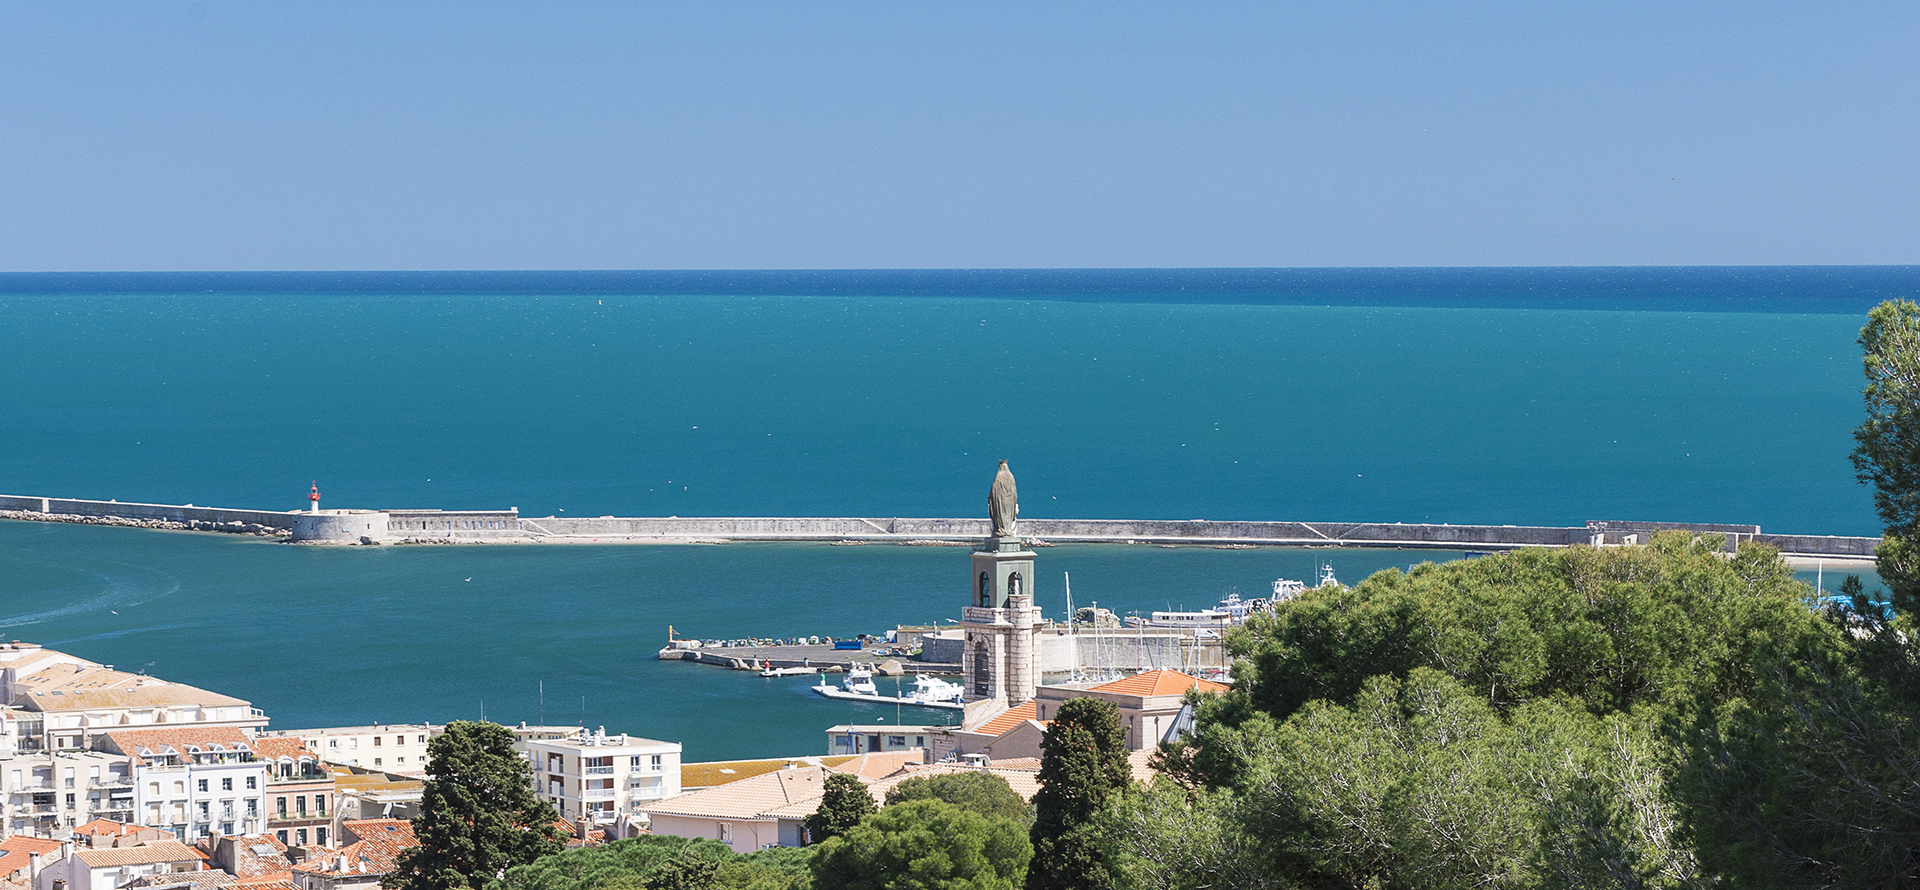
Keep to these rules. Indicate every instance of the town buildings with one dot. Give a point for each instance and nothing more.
(299, 792)
(595, 777)
(396, 748)
(193, 780)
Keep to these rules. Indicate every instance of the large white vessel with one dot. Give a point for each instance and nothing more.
(1233, 610)
(928, 692)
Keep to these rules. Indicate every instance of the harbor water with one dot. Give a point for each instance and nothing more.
(1420, 399)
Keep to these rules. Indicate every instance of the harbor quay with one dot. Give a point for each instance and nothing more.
(429, 526)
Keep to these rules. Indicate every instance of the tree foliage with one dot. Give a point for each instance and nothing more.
(983, 793)
(478, 815)
(1082, 768)
(845, 802)
(1658, 716)
(659, 862)
(925, 845)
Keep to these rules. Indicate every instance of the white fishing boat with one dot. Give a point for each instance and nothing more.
(928, 692)
(1233, 610)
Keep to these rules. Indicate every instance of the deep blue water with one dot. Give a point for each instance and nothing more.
(1502, 395)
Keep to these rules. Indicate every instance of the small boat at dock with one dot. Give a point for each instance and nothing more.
(768, 670)
(928, 692)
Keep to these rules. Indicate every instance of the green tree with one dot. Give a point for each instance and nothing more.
(983, 793)
(843, 804)
(925, 845)
(653, 862)
(478, 815)
(1886, 452)
(1083, 766)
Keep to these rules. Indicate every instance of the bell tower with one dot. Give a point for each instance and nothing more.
(1000, 622)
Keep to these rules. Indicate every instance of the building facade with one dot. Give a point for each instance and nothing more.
(399, 748)
(598, 777)
(193, 781)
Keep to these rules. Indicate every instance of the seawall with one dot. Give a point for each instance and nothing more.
(508, 526)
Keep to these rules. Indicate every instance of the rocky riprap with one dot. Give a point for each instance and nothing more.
(235, 527)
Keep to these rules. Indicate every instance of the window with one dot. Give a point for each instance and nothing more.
(376, 761)
(896, 741)
(180, 787)
(656, 762)
(399, 760)
(333, 743)
(423, 740)
(302, 835)
(300, 805)
(635, 762)
(726, 833)
(226, 784)
(203, 784)
(252, 782)
(320, 835)
(376, 741)
(282, 835)
(153, 788)
(205, 810)
(253, 806)
(280, 809)
(320, 806)
(353, 743)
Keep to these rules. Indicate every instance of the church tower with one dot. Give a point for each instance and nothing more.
(1000, 622)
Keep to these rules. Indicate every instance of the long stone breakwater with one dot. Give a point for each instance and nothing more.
(508, 526)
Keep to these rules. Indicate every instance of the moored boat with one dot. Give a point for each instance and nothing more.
(928, 692)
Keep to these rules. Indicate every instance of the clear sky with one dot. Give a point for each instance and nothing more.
(162, 135)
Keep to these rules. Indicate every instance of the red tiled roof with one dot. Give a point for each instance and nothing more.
(141, 854)
(291, 747)
(1161, 682)
(16, 853)
(380, 842)
(1009, 719)
(21, 843)
(130, 741)
(104, 827)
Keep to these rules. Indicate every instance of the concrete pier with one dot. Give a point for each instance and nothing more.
(422, 526)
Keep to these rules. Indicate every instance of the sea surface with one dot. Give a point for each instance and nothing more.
(1523, 396)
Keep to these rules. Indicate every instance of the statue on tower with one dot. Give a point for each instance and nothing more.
(1003, 503)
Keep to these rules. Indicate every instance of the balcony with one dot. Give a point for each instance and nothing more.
(598, 771)
(654, 793)
(111, 781)
(597, 794)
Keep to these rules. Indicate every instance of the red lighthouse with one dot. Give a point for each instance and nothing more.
(313, 498)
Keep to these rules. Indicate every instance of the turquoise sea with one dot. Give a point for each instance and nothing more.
(1501, 395)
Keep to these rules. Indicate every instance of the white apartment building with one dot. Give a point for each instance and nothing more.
(43, 794)
(194, 781)
(395, 748)
(601, 777)
(62, 702)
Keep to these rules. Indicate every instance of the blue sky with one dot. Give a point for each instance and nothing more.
(198, 135)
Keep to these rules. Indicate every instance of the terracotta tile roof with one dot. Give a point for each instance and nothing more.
(1024, 782)
(258, 855)
(1161, 682)
(755, 797)
(291, 747)
(708, 775)
(104, 827)
(1009, 719)
(16, 853)
(149, 853)
(204, 879)
(383, 839)
(278, 877)
(1142, 773)
(876, 764)
(21, 843)
(178, 739)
